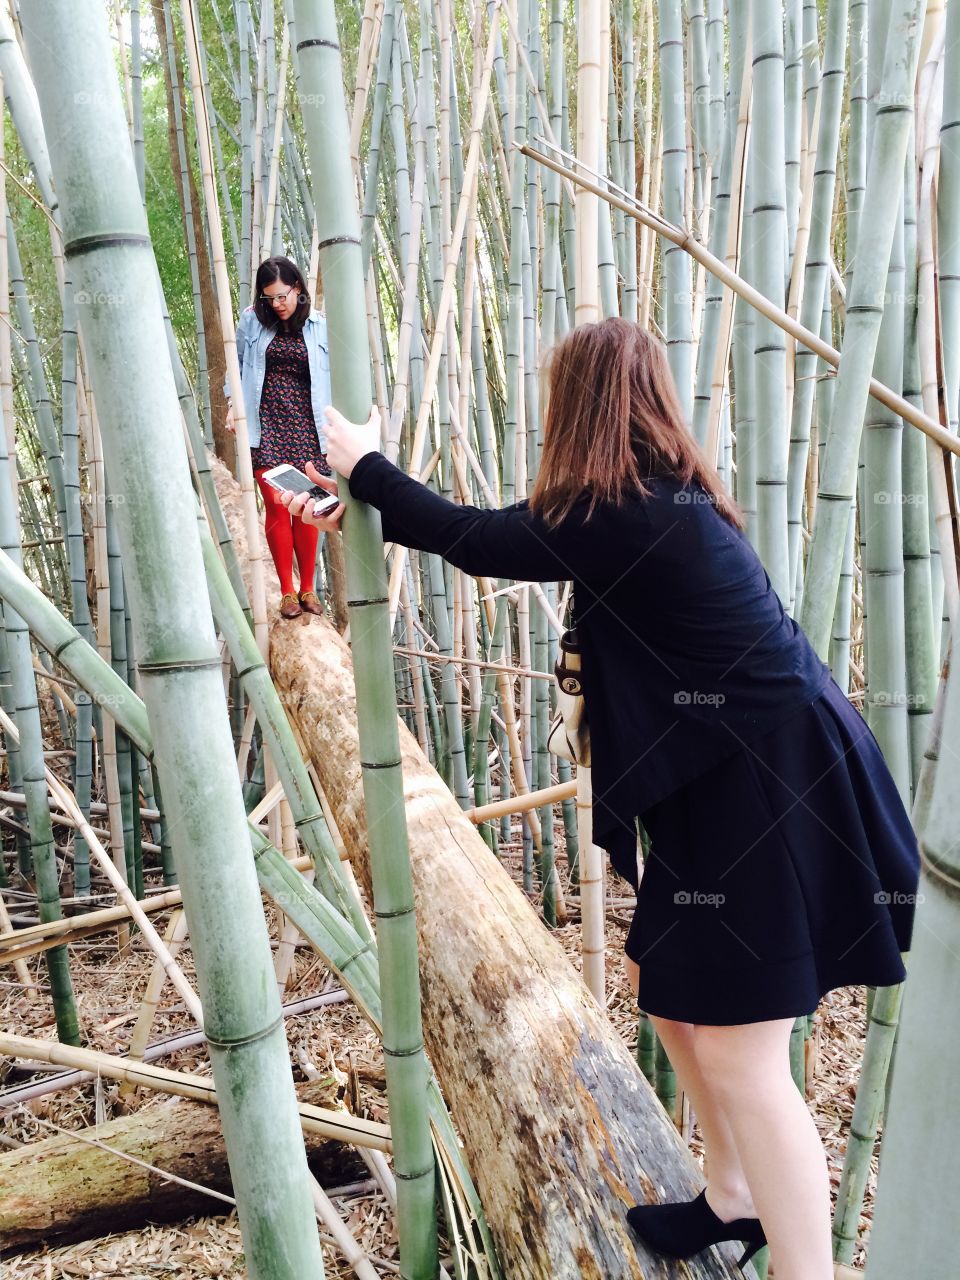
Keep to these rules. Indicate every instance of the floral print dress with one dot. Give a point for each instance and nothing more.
(288, 433)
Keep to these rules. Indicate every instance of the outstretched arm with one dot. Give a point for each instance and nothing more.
(510, 543)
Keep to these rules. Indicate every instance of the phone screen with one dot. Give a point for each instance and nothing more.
(293, 481)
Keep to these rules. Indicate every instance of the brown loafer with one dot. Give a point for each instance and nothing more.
(289, 606)
(310, 602)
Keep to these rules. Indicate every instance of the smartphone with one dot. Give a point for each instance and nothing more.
(288, 479)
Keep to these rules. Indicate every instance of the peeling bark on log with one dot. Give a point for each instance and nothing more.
(63, 1189)
(561, 1130)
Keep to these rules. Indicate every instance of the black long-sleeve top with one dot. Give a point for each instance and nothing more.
(687, 650)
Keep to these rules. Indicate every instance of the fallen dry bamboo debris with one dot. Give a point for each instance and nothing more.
(19, 943)
(330, 1124)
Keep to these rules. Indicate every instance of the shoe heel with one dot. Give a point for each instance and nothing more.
(748, 1254)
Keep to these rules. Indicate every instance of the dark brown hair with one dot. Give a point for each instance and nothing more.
(613, 419)
(270, 270)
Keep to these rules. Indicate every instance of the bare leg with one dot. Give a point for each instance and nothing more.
(727, 1192)
(748, 1067)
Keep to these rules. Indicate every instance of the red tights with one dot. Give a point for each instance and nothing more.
(286, 535)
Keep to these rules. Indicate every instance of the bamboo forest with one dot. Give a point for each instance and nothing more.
(313, 952)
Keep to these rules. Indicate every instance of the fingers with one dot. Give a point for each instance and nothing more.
(295, 502)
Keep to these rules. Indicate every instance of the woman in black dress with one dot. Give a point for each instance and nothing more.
(782, 861)
(285, 374)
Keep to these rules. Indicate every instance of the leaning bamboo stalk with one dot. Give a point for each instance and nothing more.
(174, 938)
(909, 412)
(341, 1126)
(344, 1238)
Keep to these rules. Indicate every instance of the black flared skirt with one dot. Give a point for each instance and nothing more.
(787, 870)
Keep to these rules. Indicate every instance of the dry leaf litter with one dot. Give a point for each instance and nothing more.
(110, 986)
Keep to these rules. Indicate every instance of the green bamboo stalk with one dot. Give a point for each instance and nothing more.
(107, 245)
(919, 1151)
(864, 311)
(327, 136)
(43, 850)
(877, 1053)
(816, 268)
(948, 217)
(677, 295)
(768, 226)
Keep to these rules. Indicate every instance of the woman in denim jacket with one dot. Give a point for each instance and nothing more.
(285, 375)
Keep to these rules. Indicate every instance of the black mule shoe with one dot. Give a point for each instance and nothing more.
(680, 1230)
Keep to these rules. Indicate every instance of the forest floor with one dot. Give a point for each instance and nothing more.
(109, 988)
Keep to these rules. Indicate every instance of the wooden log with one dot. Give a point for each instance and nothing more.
(63, 1188)
(561, 1130)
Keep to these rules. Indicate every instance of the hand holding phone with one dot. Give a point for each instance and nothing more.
(287, 479)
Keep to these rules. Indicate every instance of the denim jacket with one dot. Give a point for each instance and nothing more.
(253, 338)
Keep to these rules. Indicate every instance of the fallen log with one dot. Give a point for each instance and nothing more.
(561, 1131)
(63, 1188)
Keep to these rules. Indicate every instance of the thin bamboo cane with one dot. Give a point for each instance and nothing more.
(273, 176)
(244, 465)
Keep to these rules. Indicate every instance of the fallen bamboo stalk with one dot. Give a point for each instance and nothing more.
(19, 801)
(473, 662)
(31, 1089)
(520, 804)
(341, 1126)
(39, 937)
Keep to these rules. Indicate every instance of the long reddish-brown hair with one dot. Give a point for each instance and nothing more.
(613, 419)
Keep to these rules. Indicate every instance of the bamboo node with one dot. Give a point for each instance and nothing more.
(242, 1040)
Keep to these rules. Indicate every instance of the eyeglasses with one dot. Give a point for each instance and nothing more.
(273, 299)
